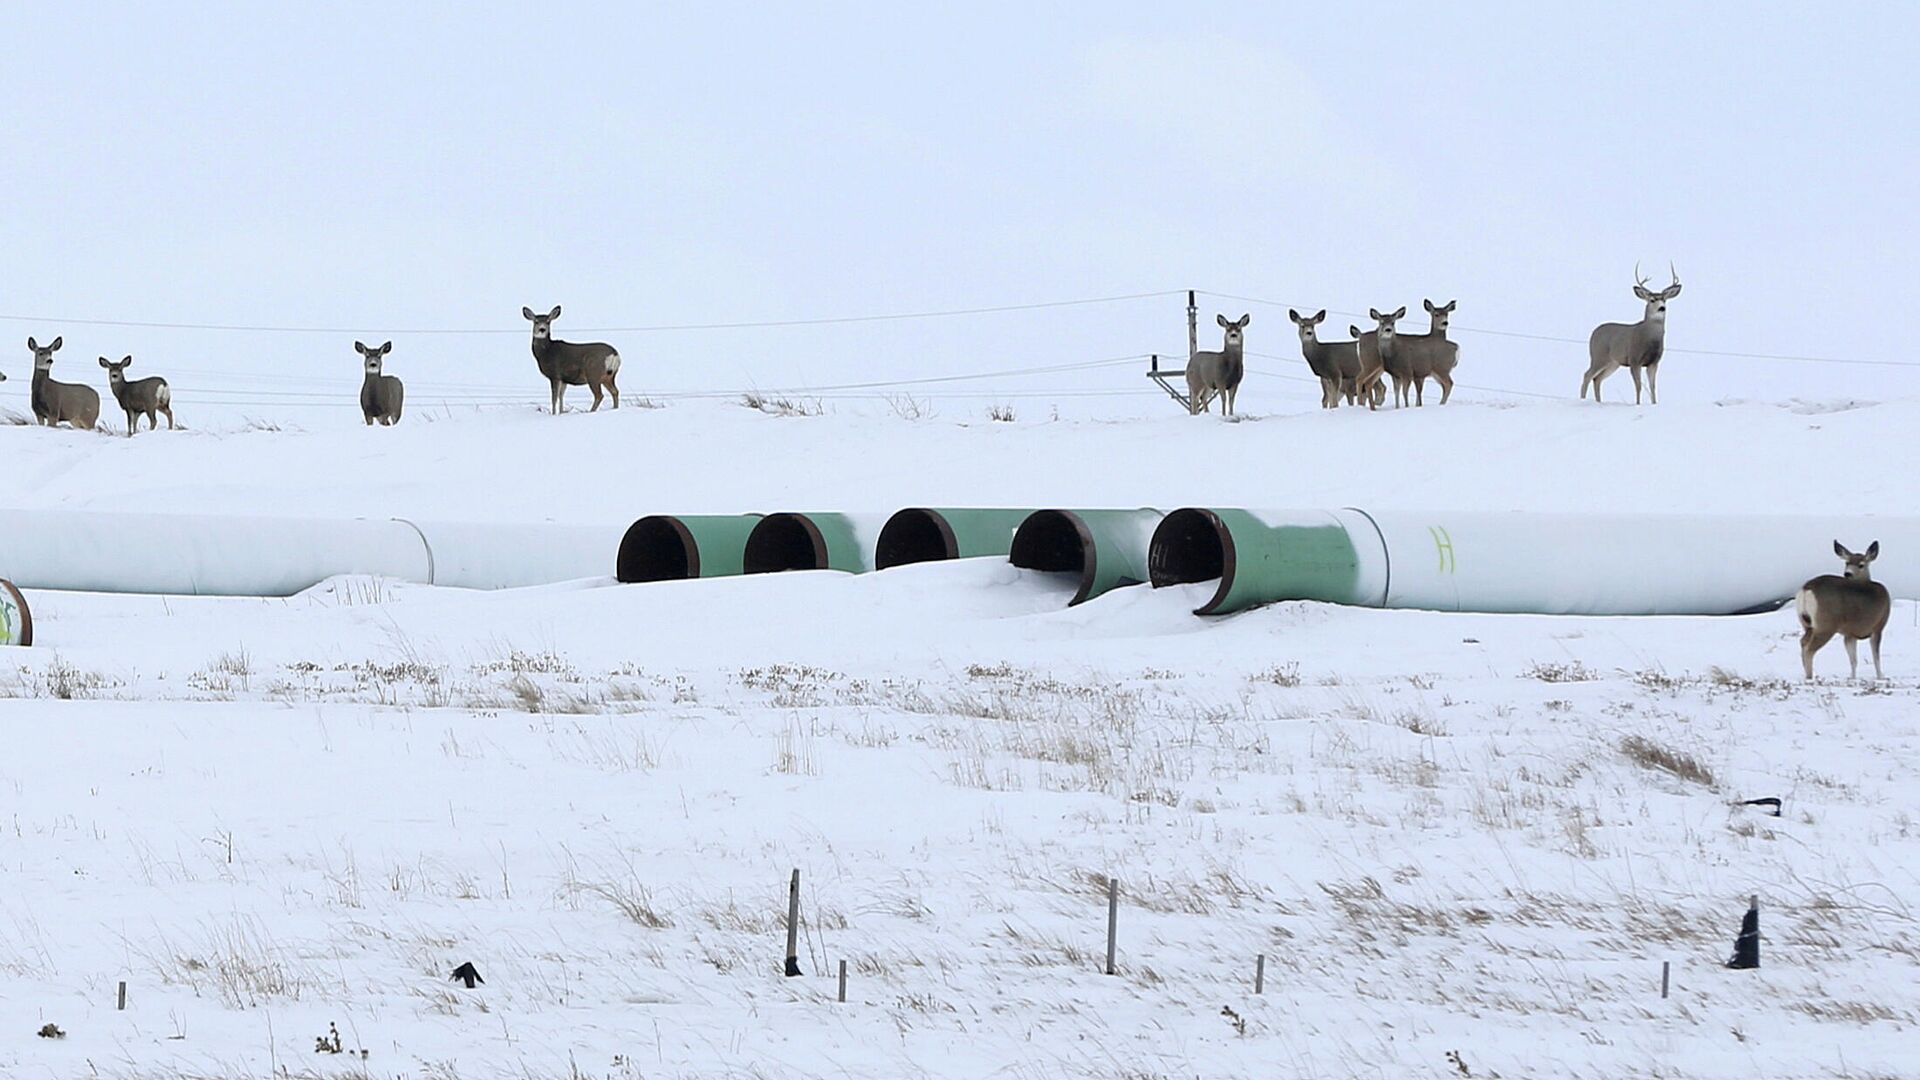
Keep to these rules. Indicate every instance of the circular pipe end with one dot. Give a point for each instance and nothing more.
(657, 548)
(1056, 541)
(23, 630)
(915, 535)
(1192, 545)
(784, 542)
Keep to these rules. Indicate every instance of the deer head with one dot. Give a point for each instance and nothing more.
(116, 373)
(1307, 325)
(542, 324)
(1385, 330)
(1440, 314)
(374, 356)
(1656, 301)
(43, 354)
(1857, 563)
(1235, 329)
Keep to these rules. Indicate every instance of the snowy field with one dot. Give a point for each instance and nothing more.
(1464, 844)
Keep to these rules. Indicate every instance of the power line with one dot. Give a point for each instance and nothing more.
(657, 328)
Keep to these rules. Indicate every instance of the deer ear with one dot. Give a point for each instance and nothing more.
(1352, 329)
(106, 363)
(1245, 318)
(31, 344)
(1873, 551)
(1839, 549)
(1294, 315)
(1374, 313)
(1451, 304)
(57, 342)
(360, 348)
(1320, 318)
(386, 348)
(555, 313)
(1221, 319)
(1402, 313)
(1428, 304)
(1671, 291)
(128, 362)
(527, 313)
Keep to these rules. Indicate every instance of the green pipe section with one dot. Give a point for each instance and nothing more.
(919, 534)
(792, 541)
(1258, 560)
(670, 547)
(1107, 549)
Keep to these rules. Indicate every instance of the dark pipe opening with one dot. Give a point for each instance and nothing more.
(657, 548)
(914, 535)
(1190, 545)
(1056, 541)
(784, 542)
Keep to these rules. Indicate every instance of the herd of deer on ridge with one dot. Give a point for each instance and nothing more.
(1353, 371)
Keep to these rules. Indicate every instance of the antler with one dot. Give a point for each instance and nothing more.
(1638, 279)
(1672, 273)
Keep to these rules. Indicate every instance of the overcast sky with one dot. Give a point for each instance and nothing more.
(392, 167)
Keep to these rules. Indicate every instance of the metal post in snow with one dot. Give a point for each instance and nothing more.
(1193, 327)
(1113, 919)
(122, 1004)
(793, 926)
(1260, 974)
(1666, 976)
(843, 981)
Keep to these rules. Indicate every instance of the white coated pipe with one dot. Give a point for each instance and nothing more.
(261, 556)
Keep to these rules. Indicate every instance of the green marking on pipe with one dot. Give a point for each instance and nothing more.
(1443, 544)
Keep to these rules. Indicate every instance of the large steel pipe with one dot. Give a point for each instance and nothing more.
(668, 547)
(1104, 549)
(918, 534)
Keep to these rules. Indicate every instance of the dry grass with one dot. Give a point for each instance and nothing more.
(1648, 754)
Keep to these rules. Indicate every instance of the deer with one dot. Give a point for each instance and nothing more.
(1431, 355)
(1379, 355)
(1853, 606)
(381, 396)
(1218, 374)
(1337, 363)
(58, 402)
(141, 397)
(1634, 346)
(565, 364)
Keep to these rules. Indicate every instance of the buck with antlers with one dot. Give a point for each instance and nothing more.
(1634, 346)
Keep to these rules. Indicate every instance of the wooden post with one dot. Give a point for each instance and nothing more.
(1193, 327)
(843, 981)
(122, 1006)
(793, 926)
(1113, 919)
(1260, 974)
(1666, 976)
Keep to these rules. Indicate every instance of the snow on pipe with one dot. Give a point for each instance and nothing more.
(262, 556)
(793, 541)
(1105, 549)
(669, 547)
(919, 534)
(16, 622)
(1519, 561)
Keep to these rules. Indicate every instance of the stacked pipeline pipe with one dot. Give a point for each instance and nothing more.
(815, 541)
(1519, 562)
(918, 534)
(260, 556)
(1105, 549)
(667, 547)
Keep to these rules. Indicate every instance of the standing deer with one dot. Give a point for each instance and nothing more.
(1431, 354)
(1380, 355)
(55, 402)
(566, 364)
(381, 396)
(1633, 345)
(1218, 374)
(1337, 363)
(1854, 607)
(141, 397)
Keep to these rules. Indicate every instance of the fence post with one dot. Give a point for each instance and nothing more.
(1260, 974)
(1193, 327)
(1113, 919)
(843, 981)
(1666, 976)
(793, 925)
(122, 1003)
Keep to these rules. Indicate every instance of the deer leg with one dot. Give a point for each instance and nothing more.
(1853, 656)
(614, 390)
(1812, 642)
(1878, 676)
(1653, 384)
(559, 396)
(169, 411)
(1635, 372)
(1420, 390)
(597, 394)
(1446, 387)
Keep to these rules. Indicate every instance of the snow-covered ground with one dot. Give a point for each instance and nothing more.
(1476, 836)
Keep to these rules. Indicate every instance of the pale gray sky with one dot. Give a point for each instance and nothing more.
(388, 166)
